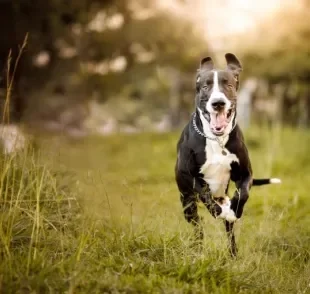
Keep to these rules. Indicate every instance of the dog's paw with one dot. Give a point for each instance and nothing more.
(231, 216)
(227, 213)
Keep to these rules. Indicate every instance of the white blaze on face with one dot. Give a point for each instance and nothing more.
(218, 120)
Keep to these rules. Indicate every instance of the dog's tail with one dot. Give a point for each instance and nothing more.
(260, 182)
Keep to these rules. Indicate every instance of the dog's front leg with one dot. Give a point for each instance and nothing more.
(241, 196)
(241, 174)
(206, 198)
(232, 246)
(215, 210)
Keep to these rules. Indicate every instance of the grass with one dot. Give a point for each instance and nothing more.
(103, 215)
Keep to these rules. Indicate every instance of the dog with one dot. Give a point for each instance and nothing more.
(211, 151)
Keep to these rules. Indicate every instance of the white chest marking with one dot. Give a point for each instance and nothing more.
(216, 169)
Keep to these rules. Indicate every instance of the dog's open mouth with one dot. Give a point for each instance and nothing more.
(219, 121)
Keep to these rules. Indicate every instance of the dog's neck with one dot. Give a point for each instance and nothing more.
(205, 125)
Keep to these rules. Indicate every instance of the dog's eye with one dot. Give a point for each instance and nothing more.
(209, 83)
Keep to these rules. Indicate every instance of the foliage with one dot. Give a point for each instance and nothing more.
(81, 50)
(280, 47)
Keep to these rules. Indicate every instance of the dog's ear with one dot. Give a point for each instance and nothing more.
(233, 63)
(206, 63)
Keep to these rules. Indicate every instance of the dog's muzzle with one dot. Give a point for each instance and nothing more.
(220, 119)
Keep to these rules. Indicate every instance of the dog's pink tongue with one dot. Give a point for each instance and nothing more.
(220, 120)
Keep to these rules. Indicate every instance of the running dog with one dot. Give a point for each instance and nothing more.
(211, 151)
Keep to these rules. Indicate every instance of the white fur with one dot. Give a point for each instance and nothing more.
(275, 181)
(216, 94)
(216, 169)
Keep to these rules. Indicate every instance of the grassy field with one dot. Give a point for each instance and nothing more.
(103, 215)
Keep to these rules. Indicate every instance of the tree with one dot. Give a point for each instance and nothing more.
(282, 52)
(279, 53)
(76, 48)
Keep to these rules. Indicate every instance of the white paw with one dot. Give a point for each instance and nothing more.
(227, 213)
(231, 216)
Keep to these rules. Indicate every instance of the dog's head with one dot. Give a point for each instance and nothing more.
(216, 93)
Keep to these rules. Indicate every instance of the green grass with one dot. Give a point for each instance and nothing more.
(103, 215)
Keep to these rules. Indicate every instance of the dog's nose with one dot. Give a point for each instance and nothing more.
(218, 103)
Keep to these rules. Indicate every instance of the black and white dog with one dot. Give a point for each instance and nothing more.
(211, 150)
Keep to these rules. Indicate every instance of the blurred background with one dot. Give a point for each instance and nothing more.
(99, 91)
(104, 66)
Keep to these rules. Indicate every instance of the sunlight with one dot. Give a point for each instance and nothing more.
(222, 19)
(231, 17)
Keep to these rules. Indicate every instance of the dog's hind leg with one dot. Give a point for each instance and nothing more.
(184, 174)
(189, 203)
(232, 246)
